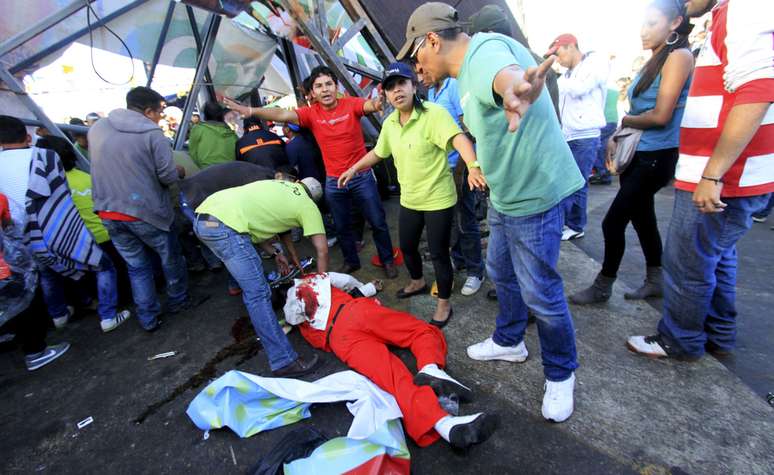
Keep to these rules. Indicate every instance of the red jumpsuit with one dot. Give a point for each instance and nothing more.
(362, 331)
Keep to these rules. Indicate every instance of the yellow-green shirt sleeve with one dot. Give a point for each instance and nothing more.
(311, 220)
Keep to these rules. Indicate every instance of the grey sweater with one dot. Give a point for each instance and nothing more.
(131, 168)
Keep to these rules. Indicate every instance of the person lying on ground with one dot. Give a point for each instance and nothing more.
(337, 313)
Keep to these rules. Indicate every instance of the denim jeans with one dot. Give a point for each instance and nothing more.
(766, 210)
(363, 191)
(52, 286)
(604, 135)
(466, 235)
(243, 262)
(521, 261)
(132, 240)
(209, 258)
(585, 153)
(700, 273)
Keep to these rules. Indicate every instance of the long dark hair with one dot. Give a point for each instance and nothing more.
(672, 9)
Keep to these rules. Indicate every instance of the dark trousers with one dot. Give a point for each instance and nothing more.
(648, 173)
(124, 285)
(439, 226)
(30, 326)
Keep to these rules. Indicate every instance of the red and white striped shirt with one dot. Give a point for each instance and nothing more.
(735, 66)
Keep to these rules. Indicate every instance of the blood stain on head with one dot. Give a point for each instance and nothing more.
(307, 294)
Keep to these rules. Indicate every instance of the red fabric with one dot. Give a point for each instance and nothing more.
(116, 216)
(382, 465)
(708, 80)
(5, 210)
(337, 131)
(360, 338)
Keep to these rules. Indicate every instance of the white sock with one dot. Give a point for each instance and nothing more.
(445, 424)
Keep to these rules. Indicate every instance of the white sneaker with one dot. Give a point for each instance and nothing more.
(756, 219)
(472, 285)
(332, 241)
(60, 322)
(649, 346)
(112, 323)
(569, 234)
(558, 399)
(489, 350)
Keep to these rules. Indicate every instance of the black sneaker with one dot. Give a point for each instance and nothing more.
(474, 432)
(192, 301)
(49, 354)
(298, 368)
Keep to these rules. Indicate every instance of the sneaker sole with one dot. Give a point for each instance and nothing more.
(510, 359)
(653, 356)
(559, 421)
(478, 431)
(444, 387)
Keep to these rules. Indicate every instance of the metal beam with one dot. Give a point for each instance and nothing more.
(363, 70)
(322, 17)
(18, 88)
(65, 42)
(78, 129)
(212, 25)
(198, 40)
(162, 40)
(351, 32)
(356, 10)
(288, 55)
(24, 36)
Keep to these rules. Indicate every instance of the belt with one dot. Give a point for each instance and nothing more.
(333, 322)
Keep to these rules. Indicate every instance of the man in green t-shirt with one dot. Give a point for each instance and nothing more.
(530, 171)
(231, 220)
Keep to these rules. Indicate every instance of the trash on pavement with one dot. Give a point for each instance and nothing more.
(162, 355)
(85, 422)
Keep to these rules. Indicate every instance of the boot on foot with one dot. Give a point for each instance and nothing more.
(599, 291)
(652, 287)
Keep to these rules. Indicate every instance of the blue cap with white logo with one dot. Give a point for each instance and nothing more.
(398, 70)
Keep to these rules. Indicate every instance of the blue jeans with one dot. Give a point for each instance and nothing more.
(52, 286)
(766, 210)
(243, 262)
(362, 190)
(466, 235)
(700, 273)
(521, 261)
(210, 258)
(132, 240)
(585, 152)
(604, 135)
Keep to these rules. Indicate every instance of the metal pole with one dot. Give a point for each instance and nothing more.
(289, 57)
(198, 40)
(213, 23)
(65, 42)
(162, 40)
(18, 88)
(78, 129)
(24, 36)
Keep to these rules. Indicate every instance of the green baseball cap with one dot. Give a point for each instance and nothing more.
(432, 16)
(489, 18)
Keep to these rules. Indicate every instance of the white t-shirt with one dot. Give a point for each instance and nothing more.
(14, 179)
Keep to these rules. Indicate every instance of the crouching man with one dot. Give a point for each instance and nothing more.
(335, 313)
(229, 221)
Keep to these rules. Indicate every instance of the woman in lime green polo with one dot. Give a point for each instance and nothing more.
(419, 137)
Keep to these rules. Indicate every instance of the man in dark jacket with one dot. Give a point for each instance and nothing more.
(132, 168)
(261, 147)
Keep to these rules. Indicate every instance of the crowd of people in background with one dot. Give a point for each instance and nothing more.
(477, 119)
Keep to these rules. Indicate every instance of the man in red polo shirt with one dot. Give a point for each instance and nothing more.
(335, 124)
(725, 174)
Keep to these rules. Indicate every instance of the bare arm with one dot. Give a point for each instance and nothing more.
(464, 146)
(741, 125)
(373, 105)
(274, 114)
(519, 89)
(287, 240)
(320, 243)
(674, 74)
(369, 159)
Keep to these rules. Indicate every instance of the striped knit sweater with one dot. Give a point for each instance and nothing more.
(55, 232)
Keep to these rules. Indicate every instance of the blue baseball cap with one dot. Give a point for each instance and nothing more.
(293, 127)
(398, 70)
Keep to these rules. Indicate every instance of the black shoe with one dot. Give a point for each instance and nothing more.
(298, 368)
(492, 294)
(402, 294)
(717, 351)
(442, 324)
(197, 267)
(348, 268)
(444, 387)
(390, 271)
(474, 432)
(192, 301)
(155, 327)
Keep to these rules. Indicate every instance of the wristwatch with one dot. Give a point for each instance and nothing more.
(474, 165)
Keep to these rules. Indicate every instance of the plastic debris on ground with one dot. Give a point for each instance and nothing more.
(249, 404)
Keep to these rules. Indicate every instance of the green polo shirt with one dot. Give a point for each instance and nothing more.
(80, 188)
(528, 171)
(420, 149)
(264, 209)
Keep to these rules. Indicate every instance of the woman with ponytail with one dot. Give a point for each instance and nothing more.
(419, 136)
(657, 99)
